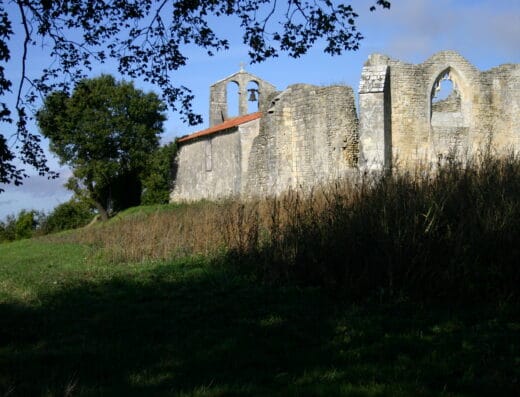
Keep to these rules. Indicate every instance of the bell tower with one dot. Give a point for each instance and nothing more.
(250, 89)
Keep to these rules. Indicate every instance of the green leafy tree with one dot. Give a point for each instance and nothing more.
(26, 223)
(20, 226)
(146, 38)
(7, 229)
(69, 215)
(158, 182)
(105, 131)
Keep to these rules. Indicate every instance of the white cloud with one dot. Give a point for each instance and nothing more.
(36, 192)
(415, 29)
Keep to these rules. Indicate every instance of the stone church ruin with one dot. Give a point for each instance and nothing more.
(307, 135)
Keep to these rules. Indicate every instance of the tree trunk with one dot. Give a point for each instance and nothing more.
(101, 209)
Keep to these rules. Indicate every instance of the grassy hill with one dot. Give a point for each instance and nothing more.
(405, 286)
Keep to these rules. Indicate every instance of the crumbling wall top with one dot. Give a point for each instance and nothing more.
(373, 79)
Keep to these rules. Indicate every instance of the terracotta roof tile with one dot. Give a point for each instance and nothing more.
(234, 122)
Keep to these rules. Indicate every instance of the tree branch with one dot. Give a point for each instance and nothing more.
(26, 41)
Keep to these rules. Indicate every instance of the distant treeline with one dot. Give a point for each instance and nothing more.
(29, 223)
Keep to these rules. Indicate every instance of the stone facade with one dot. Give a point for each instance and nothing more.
(214, 165)
(481, 113)
(307, 135)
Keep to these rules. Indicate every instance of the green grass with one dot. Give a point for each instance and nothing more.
(30, 267)
(144, 210)
(73, 325)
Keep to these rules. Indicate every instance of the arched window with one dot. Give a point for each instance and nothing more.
(449, 121)
(443, 91)
(445, 95)
(253, 97)
(233, 96)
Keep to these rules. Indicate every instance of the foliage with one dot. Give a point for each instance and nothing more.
(105, 131)
(158, 182)
(7, 229)
(21, 226)
(25, 224)
(449, 234)
(69, 215)
(148, 38)
(29, 223)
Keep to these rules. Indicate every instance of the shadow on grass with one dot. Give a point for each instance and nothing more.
(198, 332)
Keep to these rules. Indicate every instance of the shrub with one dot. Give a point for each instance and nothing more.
(7, 229)
(21, 226)
(25, 224)
(69, 215)
(158, 182)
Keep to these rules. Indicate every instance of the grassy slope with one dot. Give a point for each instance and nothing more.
(71, 326)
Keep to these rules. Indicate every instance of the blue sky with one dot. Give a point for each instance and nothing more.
(486, 32)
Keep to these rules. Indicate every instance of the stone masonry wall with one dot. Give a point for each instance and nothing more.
(486, 112)
(308, 136)
(375, 118)
(500, 107)
(214, 167)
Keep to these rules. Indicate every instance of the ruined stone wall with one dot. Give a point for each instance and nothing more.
(483, 109)
(214, 166)
(308, 136)
(248, 133)
(500, 108)
(375, 117)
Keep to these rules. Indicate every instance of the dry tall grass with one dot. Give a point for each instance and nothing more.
(453, 231)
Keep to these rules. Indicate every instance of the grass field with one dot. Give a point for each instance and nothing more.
(404, 285)
(74, 325)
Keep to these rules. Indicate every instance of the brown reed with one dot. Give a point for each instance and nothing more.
(445, 231)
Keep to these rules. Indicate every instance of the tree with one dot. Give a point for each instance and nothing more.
(7, 229)
(105, 131)
(69, 215)
(21, 226)
(26, 223)
(159, 179)
(147, 38)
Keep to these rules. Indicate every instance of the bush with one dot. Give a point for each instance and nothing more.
(24, 225)
(158, 183)
(450, 233)
(69, 215)
(7, 229)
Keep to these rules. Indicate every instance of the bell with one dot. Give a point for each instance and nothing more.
(252, 94)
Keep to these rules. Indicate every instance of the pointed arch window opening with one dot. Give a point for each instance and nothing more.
(449, 120)
(445, 94)
(444, 88)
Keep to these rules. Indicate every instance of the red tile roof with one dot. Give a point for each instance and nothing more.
(234, 122)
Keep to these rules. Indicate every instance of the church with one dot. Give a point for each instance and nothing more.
(308, 135)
